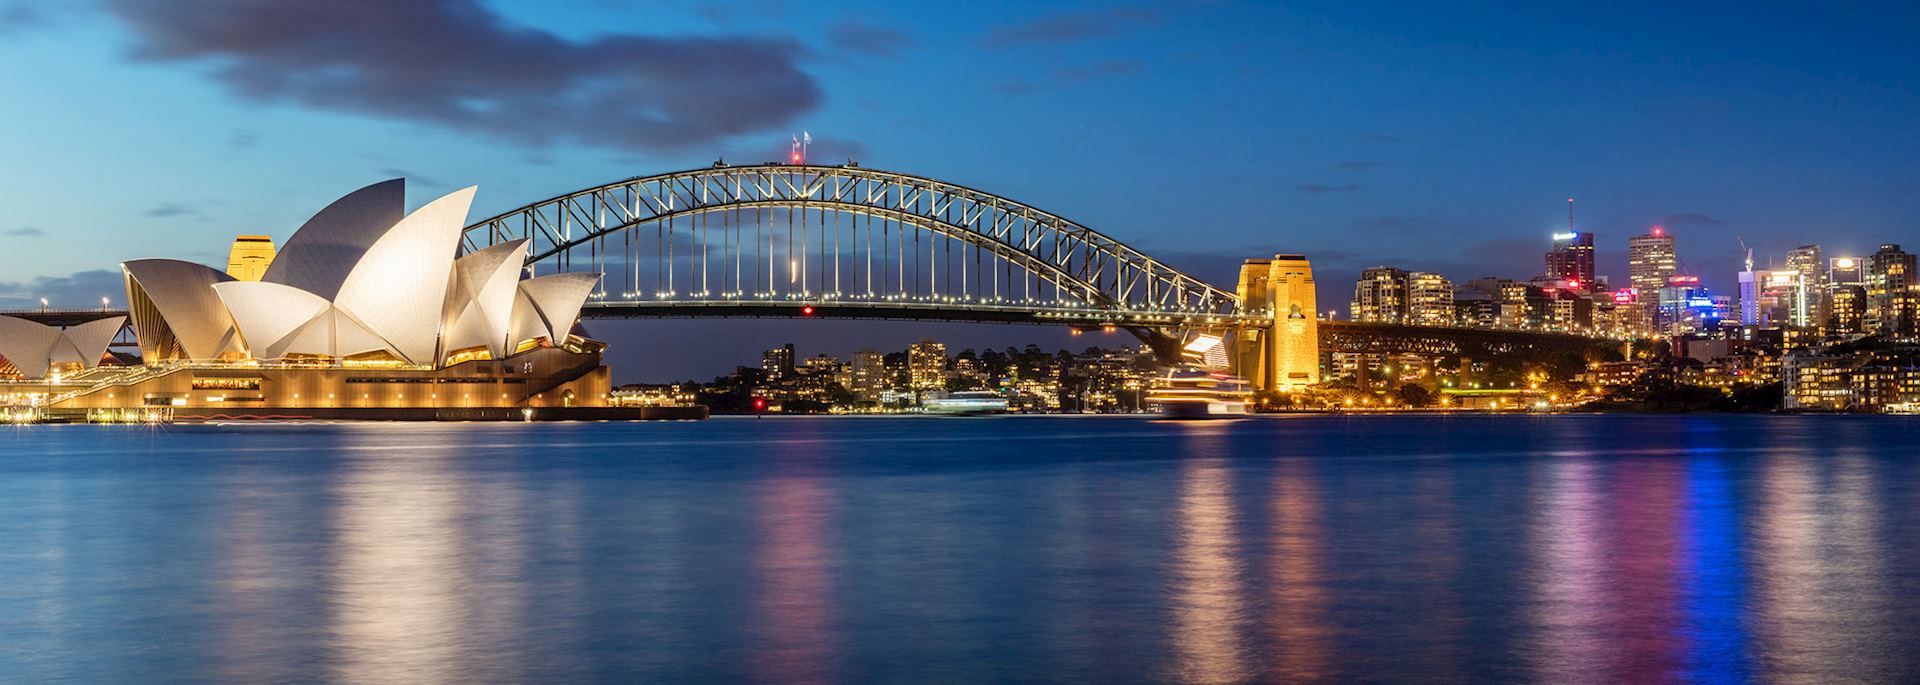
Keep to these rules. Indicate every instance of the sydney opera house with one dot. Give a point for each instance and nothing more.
(366, 311)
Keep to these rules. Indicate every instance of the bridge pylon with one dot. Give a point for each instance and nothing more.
(1283, 355)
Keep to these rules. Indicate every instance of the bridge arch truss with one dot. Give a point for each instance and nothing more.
(843, 236)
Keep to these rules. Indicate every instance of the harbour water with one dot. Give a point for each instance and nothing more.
(1558, 549)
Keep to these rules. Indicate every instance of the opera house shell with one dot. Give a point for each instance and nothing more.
(366, 306)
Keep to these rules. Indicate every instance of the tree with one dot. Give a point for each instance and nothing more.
(1414, 395)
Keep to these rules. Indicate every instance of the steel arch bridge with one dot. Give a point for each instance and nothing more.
(779, 240)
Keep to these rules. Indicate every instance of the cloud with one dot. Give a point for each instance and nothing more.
(25, 232)
(1068, 28)
(1317, 188)
(853, 35)
(242, 139)
(1103, 69)
(83, 289)
(20, 16)
(457, 64)
(167, 210)
(1690, 219)
(1357, 166)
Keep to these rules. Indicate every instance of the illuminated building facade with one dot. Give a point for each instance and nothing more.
(1571, 260)
(1429, 299)
(1651, 261)
(778, 362)
(927, 365)
(1893, 296)
(1380, 296)
(1687, 307)
(249, 257)
(1809, 307)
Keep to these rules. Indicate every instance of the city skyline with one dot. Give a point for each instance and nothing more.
(1360, 132)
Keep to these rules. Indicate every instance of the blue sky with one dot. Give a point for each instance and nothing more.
(1417, 134)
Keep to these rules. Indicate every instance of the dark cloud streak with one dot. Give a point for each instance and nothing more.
(458, 65)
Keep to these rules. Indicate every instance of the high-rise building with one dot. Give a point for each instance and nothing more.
(1753, 312)
(866, 376)
(778, 362)
(1651, 262)
(1893, 296)
(927, 365)
(1687, 307)
(1380, 296)
(1571, 260)
(1429, 299)
(1846, 308)
(1809, 306)
(249, 257)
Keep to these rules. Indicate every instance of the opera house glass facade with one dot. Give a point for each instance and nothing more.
(365, 311)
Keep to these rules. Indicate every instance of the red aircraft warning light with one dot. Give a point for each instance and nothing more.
(806, 310)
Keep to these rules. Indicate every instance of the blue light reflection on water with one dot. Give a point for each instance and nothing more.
(1297, 549)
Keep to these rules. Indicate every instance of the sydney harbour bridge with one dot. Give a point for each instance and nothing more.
(799, 240)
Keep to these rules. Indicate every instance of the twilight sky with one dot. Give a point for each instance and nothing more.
(1419, 135)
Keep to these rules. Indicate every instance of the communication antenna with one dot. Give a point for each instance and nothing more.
(1570, 216)
(1749, 250)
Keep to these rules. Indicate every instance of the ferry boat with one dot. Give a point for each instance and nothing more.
(1193, 394)
(965, 403)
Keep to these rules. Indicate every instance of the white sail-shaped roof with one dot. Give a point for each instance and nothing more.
(319, 256)
(399, 288)
(269, 314)
(176, 312)
(480, 306)
(34, 347)
(28, 344)
(549, 305)
(87, 343)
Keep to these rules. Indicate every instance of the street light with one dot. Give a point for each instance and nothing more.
(43, 305)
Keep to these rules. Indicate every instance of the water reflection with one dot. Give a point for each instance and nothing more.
(1569, 641)
(794, 643)
(1378, 549)
(1820, 598)
(1303, 648)
(397, 584)
(1207, 595)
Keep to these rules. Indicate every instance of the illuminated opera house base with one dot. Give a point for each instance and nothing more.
(549, 383)
(366, 312)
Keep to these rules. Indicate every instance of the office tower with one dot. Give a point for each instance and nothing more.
(1687, 307)
(1429, 299)
(778, 362)
(1809, 306)
(1891, 295)
(1846, 308)
(1752, 285)
(927, 365)
(1572, 260)
(1651, 262)
(249, 257)
(1380, 296)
